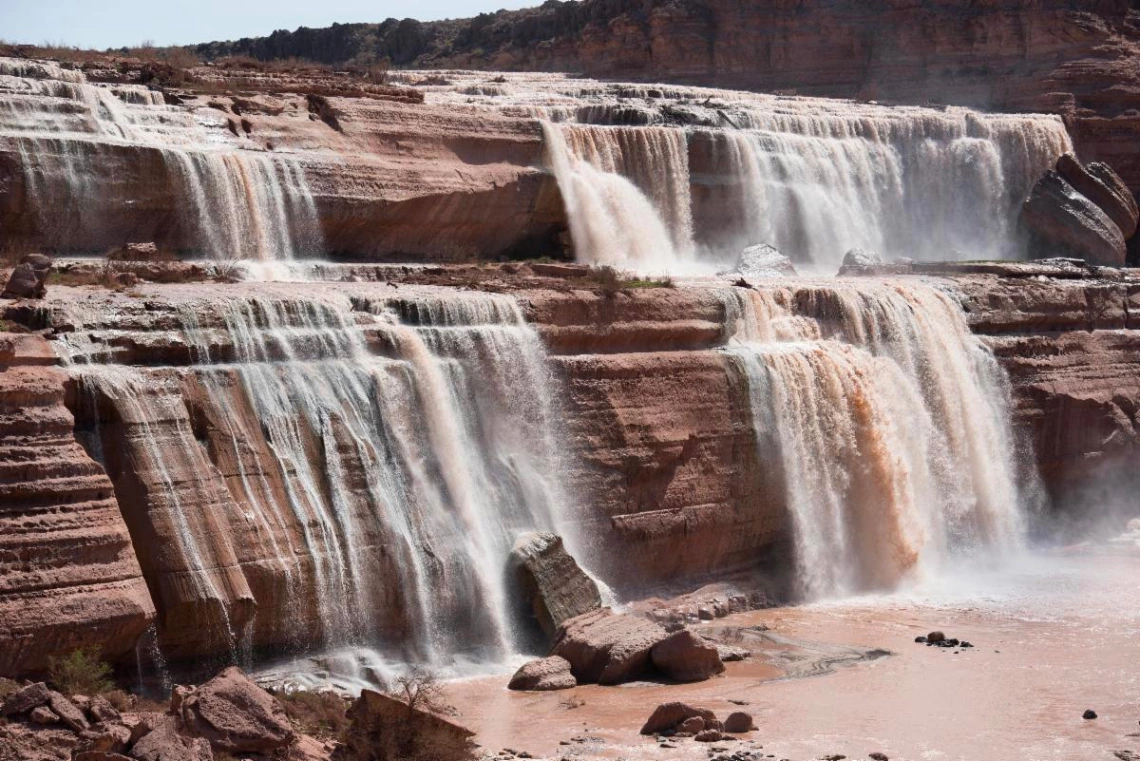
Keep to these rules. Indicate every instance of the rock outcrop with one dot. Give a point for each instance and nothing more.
(553, 586)
(69, 577)
(1098, 183)
(29, 278)
(386, 729)
(1008, 55)
(235, 715)
(1063, 222)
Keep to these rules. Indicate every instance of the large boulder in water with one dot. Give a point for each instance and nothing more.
(554, 587)
(685, 657)
(858, 260)
(1098, 183)
(607, 647)
(671, 715)
(29, 279)
(236, 715)
(1062, 222)
(543, 675)
(762, 261)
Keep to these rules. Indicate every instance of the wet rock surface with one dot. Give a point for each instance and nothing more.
(545, 674)
(555, 588)
(686, 657)
(607, 647)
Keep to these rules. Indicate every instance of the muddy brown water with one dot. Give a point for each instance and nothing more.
(1053, 634)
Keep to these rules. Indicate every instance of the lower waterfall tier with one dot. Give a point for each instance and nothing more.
(349, 466)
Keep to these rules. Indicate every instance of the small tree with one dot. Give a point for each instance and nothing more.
(82, 672)
(421, 691)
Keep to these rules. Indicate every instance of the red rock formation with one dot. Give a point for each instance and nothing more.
(68, 573)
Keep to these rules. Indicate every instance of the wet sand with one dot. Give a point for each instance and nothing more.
(1054, 634)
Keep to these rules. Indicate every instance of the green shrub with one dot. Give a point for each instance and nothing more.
(82, 672)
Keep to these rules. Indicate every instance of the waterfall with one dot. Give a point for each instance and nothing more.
(924, 185)
(232, 202)
(626, 193)
(376, 458)
(888, 424)
(812, 177)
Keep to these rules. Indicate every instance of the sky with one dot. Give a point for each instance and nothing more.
(103, 24)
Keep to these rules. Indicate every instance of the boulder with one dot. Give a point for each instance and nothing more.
(43, 715)
(102, 710)
(606, 647)
(100, 755)
(709, 736)
(140, 252)
(23, 701)
(69, 714)
(857, 259)
(236, 715)
(1062, 222)
(164, 743)
(1098, 183)
(935, 637)
(729, 653)
(762, 261)
(669, 716)
(544, 674)
(107, 738)
(28, 279)
(692, 725)
(386, 729)
(685, 657)
(739, 722)
(554, 587)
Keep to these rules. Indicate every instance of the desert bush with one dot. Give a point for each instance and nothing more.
(7, 687)
(82, 672)
(122, 701)
(320, 714)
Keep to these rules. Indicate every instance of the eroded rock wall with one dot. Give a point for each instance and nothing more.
(69, 576)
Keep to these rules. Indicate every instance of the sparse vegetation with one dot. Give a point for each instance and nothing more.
(320, 714)
(82, 672)
(121, 700)
(7, 687)
(421, 691)
(610, 281)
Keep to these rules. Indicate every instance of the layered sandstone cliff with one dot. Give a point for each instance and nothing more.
(656, 434)
(69, 576)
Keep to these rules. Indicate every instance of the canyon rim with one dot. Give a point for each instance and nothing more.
(690, 379)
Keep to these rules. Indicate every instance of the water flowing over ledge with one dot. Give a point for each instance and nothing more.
(332, 472)
(888, 424)
(655, 179)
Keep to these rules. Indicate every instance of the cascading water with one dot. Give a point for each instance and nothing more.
(626, 193)
(238, 204)
(379, 456)
(812, 177)
(889, 426)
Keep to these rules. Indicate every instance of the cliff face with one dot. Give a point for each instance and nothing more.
(1008, 55)
(69, 576)
(664, 483)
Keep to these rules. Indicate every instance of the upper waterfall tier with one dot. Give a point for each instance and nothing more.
(655, 178)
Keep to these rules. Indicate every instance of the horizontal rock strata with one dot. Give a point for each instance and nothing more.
(69, 576)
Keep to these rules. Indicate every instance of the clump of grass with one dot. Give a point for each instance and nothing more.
(609, 281)
(82, 672)
(7, 687)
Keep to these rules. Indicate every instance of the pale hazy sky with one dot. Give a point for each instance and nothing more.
(115, 23)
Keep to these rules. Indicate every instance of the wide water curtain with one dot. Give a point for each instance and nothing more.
(812, 178)
(237, 201)
(320, 493)
(888, 424)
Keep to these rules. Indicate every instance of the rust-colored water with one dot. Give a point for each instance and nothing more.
(1054, 635)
